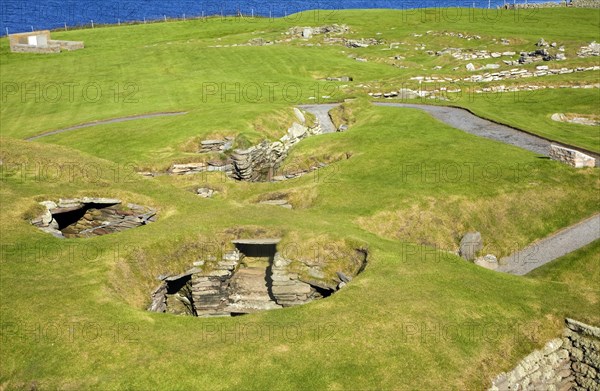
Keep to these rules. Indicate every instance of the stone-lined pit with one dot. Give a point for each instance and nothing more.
(87, 217)
(252, 277)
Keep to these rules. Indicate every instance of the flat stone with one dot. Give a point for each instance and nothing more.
(65, 209)
(101, 201)
(49, 204)
(489, 262)
(211, 142)
(470, 244)
(299, 115)
(265, 241)
(297, 130)
(316, 272)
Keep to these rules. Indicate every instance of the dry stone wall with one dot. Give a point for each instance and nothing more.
(582, 341)
(544, 369)
(570, 363)
(257, 163)
(237, 284)
(262, 161)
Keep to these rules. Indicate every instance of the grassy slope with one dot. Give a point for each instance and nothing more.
(163, 67)
(416, 319)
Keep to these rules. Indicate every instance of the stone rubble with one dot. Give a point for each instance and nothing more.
(206, 192)
(441, 93)
(340, 78)
(468, 37)
(591, 50)
(362, 43)
(467, 55)
(262, 161)
(195, 168)
(308, 32)
(511, 74)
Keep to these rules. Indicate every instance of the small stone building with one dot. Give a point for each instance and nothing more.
(40, 42)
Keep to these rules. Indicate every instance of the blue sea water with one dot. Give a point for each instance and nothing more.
(25, 15)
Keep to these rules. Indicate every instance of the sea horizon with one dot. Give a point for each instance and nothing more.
(18, 16)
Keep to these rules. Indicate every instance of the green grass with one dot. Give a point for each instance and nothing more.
(531, 111)
(417, 318)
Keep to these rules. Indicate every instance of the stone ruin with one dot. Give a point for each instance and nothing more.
(571, 157)
(252, 277)
(40, 42)
(308, 32)
(591, 50)
(87, 217)
(578, 119)
(257, 163)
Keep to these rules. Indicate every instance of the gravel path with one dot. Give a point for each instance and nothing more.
(103, 122)
(554, 246)
(322, 113)
(550, 248)
(464, 120)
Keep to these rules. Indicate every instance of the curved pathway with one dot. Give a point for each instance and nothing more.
(552, 247)
(547, 249)
(107, 121)
(468, 122)
(321, 111)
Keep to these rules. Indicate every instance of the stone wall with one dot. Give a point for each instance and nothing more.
(231, 285)
(66, 45)
(257, 163)
(583, 343)
(261, 162)
(22, 48)
(562, 3)
(570, 363)
(288, 290)
(545, 369)
(571, 157)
